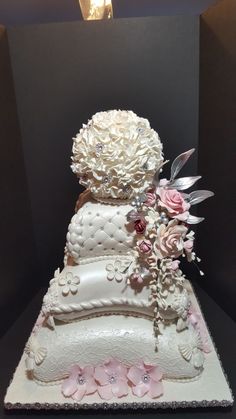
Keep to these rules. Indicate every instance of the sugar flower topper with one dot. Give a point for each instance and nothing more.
(116, 154)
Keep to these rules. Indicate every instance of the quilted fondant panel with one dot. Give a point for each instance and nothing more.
(99, 229)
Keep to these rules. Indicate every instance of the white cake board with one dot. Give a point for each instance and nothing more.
(212, 389)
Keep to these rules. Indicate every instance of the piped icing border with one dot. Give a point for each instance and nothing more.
(68, 308)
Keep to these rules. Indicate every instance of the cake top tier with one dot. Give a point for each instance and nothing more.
(116, 154)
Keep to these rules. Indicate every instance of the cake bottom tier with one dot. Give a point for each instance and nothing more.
(129, 339)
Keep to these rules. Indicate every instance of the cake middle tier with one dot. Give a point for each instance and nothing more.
(97, 285)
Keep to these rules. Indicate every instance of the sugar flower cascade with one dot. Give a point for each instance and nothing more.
(161, 218)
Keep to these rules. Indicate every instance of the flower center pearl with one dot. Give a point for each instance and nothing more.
(69, 281)
(112, 379)
(81, 380)
(146, 378)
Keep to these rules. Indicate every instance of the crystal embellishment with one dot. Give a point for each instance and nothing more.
(99, 148)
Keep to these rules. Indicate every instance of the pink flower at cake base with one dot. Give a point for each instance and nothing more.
(151, 199)
(172, 200)
(170, 239)
(140, 226)
(146, 379)
(79, 383)
(144, 246)
(112, 377)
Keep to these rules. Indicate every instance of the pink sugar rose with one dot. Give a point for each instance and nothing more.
(172, 200)
(151, 199)
(140, 226)
(188, 246)
(145, 246)
(170, 239)
(136, 278)
(79, 382)
(112, 377)
(146, 379)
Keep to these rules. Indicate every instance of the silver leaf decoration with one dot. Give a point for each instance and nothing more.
(183, 183)
(179, 162)
(194, 220)
(186, 196)
(198, 196)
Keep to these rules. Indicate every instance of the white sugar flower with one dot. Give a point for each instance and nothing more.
(69, 283)
(152, 218)
(116, 154)
(117, 271)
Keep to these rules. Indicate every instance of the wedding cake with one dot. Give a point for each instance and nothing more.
(120, 319)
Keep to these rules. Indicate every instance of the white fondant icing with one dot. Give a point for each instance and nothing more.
(96, 293)
(99, 229)
(128, 339)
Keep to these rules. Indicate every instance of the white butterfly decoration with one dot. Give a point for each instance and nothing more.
(192, 351)
(36, 354)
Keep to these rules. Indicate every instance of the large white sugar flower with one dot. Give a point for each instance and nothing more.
(116, 154)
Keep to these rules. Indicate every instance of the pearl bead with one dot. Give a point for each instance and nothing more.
(81, 381)
(146, 378)
(112, 379)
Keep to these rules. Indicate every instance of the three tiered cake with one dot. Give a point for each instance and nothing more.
(120, 321)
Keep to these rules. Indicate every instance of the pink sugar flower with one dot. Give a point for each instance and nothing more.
(188, 247)
(162, 183)
(140, 226)
(136, 278)
(146, 379)
(173, 201)
(112, 377)
(151, 199)
(174, 264)
(80, 382)
(144, 246)
(197, 321)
